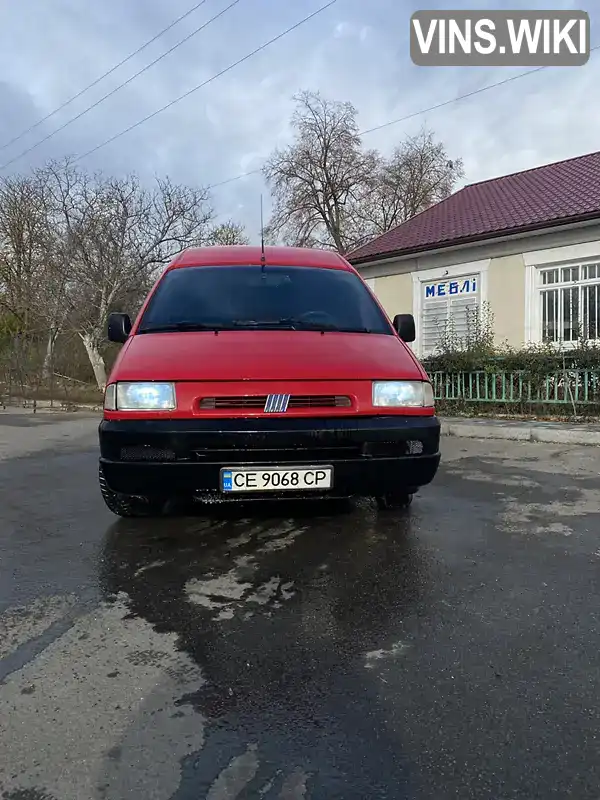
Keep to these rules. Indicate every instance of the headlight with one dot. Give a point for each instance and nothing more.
(139, 396)
(403, 394)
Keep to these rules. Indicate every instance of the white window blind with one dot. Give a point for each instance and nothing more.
(447, 305)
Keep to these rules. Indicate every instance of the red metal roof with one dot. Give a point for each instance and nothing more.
(250, 254)
(553, 194)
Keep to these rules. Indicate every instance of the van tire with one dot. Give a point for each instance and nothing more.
(394, 500)
(124, 505)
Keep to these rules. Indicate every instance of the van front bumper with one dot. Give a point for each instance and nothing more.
(370, 456)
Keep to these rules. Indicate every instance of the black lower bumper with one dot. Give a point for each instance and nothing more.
(369, 455)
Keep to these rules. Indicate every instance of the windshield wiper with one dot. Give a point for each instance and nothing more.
(286, 323)
(169, 327)
(292, 323)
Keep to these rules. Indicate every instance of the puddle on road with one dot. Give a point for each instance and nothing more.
(488, 477)
(396, 650)
(536, 509)
(107, 710)
(231, 592)
(97, 709)
(233, 781)
(545, 518)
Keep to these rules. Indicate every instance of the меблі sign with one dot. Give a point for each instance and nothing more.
(462, 286)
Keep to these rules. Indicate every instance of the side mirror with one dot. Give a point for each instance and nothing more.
(404, 325)
(119, 327)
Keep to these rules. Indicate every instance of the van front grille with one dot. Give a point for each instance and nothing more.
(258, 402)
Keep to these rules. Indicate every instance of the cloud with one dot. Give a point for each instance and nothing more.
(354, 51)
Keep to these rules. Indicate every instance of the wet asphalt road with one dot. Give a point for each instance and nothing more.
(300, 651)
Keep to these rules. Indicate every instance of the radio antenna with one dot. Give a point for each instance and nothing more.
(263, 258)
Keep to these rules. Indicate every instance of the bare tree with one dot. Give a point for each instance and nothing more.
(317, 180)
(75, 246)
(329, 192)
(115, 235)
(227, 233)
(23, 239)
(418, 174)
(25, 242)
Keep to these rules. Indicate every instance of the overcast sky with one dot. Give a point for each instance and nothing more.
(357, 50)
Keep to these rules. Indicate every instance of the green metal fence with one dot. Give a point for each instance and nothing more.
(562, 387)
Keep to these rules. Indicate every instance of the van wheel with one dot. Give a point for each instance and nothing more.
(124, 505)
(394, 500)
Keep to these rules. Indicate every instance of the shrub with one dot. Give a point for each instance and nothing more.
(544, 379)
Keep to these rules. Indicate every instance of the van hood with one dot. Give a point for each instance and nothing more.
(265, 356)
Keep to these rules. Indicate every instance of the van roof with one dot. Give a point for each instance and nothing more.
(235, 255)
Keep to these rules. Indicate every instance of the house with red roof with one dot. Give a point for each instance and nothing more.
(526, 245)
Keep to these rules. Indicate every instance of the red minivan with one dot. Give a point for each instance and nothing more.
(253, 373)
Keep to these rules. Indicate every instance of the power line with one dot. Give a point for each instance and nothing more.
(104, 75)
(206, 82)
(120, 86)
(411, 116)
(455, 99)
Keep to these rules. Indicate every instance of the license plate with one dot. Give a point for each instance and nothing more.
(275, 479)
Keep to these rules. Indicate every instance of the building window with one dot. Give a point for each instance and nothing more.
(570, 303)
(447, 306)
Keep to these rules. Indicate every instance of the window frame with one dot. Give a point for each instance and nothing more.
(575, 256)
(450, 273)
(561, 286)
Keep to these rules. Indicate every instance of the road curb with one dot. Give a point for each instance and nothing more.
(44, 407)
(541, 432)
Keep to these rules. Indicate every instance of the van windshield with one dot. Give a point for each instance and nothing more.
(250, 297)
